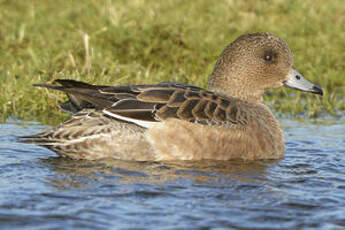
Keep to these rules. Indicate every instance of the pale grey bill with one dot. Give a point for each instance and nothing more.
(297, 81)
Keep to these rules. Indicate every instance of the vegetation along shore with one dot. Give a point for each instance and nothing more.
(133, 42)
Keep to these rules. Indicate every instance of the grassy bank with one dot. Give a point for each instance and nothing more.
(121, 42)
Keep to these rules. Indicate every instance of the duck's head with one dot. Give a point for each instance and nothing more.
(256, 62)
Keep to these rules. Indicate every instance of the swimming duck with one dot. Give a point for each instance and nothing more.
(174, 121)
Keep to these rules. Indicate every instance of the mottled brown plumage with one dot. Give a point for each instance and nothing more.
(173, 121)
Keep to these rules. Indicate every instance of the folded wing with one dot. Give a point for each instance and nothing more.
(145, 105)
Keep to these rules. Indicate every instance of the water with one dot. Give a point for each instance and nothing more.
(305, 190)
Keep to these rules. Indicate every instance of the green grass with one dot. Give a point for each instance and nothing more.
(137, 41)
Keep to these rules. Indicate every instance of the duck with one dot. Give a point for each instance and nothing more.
(171, 121)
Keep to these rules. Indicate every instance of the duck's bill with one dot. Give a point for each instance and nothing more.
(297, 81)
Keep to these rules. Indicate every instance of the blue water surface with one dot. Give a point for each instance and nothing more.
(305, 190)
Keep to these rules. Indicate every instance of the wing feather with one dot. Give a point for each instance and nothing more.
(185, 110)
(148, 104)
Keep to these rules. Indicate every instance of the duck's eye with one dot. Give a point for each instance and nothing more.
(268, 57)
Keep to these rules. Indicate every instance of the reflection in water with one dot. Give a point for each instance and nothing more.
(116, 171)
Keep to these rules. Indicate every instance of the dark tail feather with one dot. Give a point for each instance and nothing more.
(66, 84)
(49, 86)
(77, 93)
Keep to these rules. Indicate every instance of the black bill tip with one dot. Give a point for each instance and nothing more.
(317, 90)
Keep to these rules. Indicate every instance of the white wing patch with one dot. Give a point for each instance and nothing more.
(145, 124)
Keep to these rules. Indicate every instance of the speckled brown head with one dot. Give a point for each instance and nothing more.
(256, 62)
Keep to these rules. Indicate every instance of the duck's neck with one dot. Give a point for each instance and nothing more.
(234, 88)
